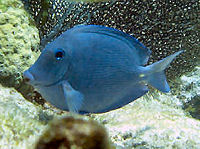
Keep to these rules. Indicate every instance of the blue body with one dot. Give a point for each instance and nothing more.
(101, 69)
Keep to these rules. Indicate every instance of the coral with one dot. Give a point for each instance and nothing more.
(70, 132)
(17, 40)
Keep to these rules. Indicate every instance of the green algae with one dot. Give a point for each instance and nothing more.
(5, 4)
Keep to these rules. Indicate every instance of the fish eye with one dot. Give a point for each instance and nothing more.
(59, 54)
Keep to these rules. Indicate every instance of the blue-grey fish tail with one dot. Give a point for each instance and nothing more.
(156, 75)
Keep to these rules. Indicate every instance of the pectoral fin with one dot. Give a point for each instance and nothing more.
(74, 98)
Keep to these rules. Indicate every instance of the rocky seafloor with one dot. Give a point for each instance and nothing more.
(155, 120)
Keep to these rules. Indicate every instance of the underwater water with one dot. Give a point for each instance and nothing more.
(155, 120)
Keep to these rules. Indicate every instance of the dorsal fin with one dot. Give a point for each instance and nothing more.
(137, 47)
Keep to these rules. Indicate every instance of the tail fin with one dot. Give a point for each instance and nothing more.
(156, 75)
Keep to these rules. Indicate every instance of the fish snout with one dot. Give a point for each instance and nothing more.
(28, 77)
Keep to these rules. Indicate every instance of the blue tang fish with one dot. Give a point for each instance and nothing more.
(95, 69)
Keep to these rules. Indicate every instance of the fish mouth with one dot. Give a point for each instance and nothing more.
(51, 84)
(46, 85)
(54, 83)
(37, 84)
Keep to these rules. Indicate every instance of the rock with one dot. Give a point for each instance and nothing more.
(149, 123)
(20, 121)
(18, 39)
(70, 132)
(190, 92)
